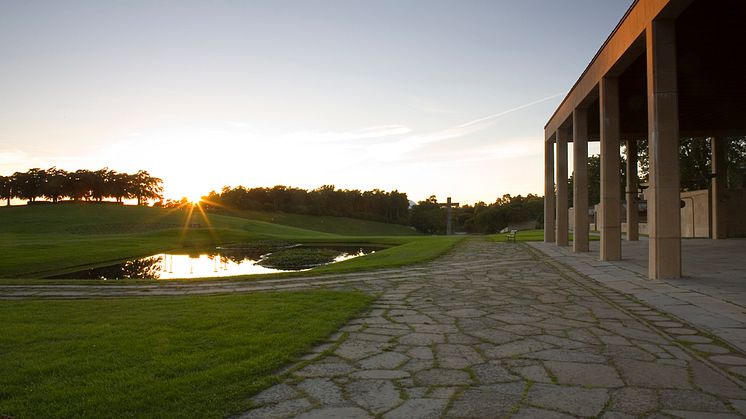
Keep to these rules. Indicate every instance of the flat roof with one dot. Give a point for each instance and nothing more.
(629, 29)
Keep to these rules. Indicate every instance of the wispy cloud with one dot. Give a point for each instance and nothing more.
(503, 149)
(352, 135)
(395, 150)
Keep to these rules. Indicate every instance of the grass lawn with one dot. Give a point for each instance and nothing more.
(530, 236)
(157, 357)
(335, 225)
(406, 252)
(38, 241)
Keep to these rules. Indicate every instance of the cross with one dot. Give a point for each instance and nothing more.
(449, 205)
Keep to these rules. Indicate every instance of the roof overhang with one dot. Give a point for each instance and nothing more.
(621, 48)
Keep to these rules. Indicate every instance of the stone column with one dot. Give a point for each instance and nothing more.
(719, 185)
(549, 206)
(580, 179)
(664, 214)
(611, 228)
(562, 213)
(633, 225)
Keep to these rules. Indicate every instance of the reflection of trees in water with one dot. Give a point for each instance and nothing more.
(151, 267)
(237, 255)
(145, 268)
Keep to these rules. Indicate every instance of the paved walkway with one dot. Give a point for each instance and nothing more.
(497, 330)
(364, 280)
(711, 296)
(490, 330)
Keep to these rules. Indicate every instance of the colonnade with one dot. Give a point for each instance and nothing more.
(663, 205)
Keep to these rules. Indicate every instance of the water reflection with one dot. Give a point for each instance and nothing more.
(214, 263)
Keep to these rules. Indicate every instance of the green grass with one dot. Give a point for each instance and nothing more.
(335, 225)
(39, 241)
(36, 240)
(408, 251)
(195, 357)
(529, 236)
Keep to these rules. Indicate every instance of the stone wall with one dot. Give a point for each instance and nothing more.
(695, 215)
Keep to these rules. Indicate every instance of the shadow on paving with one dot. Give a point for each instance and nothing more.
(495, 329)
(711, 296)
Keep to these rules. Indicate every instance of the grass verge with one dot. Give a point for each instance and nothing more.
(335, 225)
(41, 241)
(530, 236)
(157, 357)
(407, 252)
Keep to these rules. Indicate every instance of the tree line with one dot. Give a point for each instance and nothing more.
(81, 185)
(376, 205)
(695, 167)
(430, 217)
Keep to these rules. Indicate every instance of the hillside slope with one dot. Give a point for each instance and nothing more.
(42, 240)
(36, 239)
(335, 225)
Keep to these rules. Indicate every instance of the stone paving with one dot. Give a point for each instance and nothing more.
(711, 296)
(489, 330)
(498, 330)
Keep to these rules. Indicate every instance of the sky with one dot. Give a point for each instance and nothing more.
(428, 97)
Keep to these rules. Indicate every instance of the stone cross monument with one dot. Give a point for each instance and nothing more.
(449, 214)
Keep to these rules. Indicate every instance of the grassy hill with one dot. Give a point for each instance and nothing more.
(336, 225)
(37, 241)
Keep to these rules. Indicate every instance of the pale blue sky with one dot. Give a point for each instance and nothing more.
(428, 97)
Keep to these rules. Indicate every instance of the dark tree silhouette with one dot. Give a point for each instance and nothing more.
(392, 207)
(54, 184)
(6, 189)
(428, 217)
(145, 187)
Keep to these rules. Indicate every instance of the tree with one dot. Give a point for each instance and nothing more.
(99, 183)
(695, 158)
(6, 190)
(594, 182)
(54, 183)
(429, 217)
(506, 210)
(146, 187)
(79, 184)
(378, 205)
(28, 185)
(737, 162)
(119, 187)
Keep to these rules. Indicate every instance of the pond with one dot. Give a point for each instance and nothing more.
(223, 262)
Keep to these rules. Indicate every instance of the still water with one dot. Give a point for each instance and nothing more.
(216, 263)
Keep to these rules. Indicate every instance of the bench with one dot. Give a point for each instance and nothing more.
(511, 236)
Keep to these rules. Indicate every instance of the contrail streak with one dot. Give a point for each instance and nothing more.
(517, 108)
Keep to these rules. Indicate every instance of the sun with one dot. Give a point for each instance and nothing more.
(194, 199)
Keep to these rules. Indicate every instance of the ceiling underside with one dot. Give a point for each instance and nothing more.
(711, 67)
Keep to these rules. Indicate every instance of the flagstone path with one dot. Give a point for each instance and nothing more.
(489, 330)
(497, 330)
